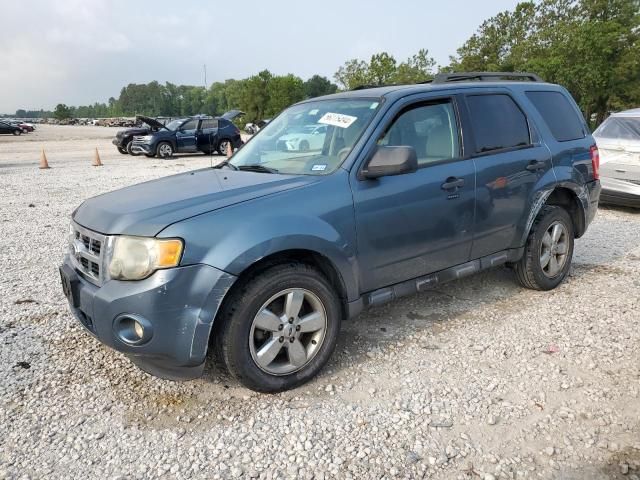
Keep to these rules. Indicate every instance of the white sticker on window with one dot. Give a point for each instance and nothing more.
(374, 105)
(319, 168)
(337, 120)
(313, 112)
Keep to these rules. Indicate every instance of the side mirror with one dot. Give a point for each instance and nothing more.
(388, 161)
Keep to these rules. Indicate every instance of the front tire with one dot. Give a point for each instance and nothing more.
(17, 132)
(164, 150)
(549, 250)
(128, 148)
(279, 328)
(123, 151)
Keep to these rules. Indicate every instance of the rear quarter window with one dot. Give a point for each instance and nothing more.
(559, 114)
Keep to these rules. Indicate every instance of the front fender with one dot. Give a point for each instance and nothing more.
(318, 218)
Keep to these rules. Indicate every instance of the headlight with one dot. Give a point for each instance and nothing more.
(135, 258)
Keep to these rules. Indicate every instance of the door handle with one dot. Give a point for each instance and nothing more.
(452, 183)
(535, 165)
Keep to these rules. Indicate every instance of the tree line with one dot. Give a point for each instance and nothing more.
(592, 47)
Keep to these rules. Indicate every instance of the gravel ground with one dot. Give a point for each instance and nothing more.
(479, 379)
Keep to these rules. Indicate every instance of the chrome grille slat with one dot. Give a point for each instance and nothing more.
(86, 252)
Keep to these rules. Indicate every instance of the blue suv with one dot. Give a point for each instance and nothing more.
(263, 256)
(186, 135)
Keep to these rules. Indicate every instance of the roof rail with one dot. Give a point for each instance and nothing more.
(365, 87)
(485, 76)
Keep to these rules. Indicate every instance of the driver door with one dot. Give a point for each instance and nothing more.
(417, 223)
(186, 136)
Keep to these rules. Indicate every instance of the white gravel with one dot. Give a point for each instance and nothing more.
(479, 379)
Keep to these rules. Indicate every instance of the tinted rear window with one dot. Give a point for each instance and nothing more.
(497, 122)
(558, 113)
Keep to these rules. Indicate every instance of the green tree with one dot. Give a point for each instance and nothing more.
(62, 112)
(383, 69)
(317, 86)
(282, 92)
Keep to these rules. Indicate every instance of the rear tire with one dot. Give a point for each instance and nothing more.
(300, 349)
(548, 252)
(17, 132)
(222, 147)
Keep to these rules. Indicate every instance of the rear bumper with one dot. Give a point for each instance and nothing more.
(176, 308)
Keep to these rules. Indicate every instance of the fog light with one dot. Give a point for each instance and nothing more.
(138, 329)
(133, 329)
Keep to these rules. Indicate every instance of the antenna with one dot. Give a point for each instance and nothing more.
(204, 68)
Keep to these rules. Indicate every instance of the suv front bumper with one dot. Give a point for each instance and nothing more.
(176, 307)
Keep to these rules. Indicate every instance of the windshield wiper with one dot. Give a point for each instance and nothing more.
(257, 168)
(226, 163)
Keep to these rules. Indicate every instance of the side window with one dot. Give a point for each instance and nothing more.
(209, 123)
(190, 125)
(561, 117)
(430, 129)
(497, 122)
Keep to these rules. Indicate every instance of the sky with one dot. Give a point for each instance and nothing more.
(78, 52)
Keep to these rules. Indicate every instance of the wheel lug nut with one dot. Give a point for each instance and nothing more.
(280, 327)
(297, 328)
(291, 320)
(313, 342)
(292, 339)
(281, 339)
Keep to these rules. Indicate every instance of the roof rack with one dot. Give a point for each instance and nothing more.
(485, 76)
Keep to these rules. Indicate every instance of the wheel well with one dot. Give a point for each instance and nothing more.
(567, 199)
(309, 257)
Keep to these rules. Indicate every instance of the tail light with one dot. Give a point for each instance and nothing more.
(595, 162)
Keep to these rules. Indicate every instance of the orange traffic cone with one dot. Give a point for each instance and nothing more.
(229, 149)
(43, 160)
(96, 159)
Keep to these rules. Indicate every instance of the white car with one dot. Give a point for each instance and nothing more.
(618, 139)
(307, 137)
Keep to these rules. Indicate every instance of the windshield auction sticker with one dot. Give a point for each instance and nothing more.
(337, 120)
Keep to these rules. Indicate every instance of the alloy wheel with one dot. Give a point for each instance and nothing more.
(288, 331)
(554, 249)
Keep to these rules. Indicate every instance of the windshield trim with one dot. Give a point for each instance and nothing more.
(372, 98)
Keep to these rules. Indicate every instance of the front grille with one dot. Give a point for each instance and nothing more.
(86, 252)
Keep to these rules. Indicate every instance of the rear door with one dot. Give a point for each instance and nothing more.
(186, 136)
(510, 161)
(413, 224)
(206, 136)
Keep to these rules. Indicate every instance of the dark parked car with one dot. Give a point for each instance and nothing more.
(124, 138)
(189, 135)
(266, 254)
(6, 127)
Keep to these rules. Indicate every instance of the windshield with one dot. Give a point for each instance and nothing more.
(173, 125)
(313, 138)
(623, 128)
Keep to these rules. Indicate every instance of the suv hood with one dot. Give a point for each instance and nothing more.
(147, 208)
(152, 122)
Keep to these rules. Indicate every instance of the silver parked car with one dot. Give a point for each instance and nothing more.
(618, 139)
